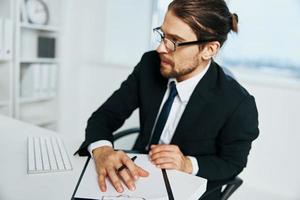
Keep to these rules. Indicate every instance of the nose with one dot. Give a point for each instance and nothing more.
(161, 48)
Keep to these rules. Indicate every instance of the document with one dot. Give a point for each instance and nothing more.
(153, 187)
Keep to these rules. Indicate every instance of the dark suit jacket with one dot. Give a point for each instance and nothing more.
(217, 127)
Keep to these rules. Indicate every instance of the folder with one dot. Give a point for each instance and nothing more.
(53, 78)
(27, 78)
(160, 185)
(8, 39)
(44, 69)
(23, 16)
(1, 38)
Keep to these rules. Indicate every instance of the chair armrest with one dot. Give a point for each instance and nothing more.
(231, 186)
(126, 132)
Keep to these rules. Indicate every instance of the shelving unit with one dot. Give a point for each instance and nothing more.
(6, 61)
(38, 60)
(45, 28)
(39, 107)
(28, 100)
(29, 81)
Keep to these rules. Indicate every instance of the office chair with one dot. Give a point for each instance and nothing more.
(230, 186)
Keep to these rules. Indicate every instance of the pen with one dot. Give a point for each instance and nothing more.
(124, 166)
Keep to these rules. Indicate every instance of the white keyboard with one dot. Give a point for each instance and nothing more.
(47, 154)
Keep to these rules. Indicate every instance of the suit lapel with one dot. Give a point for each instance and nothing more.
(156, 93)
(198, 100)
(159, 92)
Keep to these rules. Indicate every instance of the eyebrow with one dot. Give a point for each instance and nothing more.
(172, 35)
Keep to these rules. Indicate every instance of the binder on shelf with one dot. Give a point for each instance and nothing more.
(46, 47)
(53, 78)
(39, 80)
(31, 81)
(1, 38)
(8, 39)
(27, 82)
(23, 16)
(44, 87)
(36, 80)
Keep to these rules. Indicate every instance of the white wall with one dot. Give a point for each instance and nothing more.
(274, 163)
(103, 40)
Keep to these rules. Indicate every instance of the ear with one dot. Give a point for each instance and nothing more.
(210, 50)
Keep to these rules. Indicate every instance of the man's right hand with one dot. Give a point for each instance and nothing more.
(108, 161)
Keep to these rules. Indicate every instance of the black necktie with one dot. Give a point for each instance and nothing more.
(163, 116)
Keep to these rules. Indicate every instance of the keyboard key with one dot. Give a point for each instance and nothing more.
(31, 161)
(57, 154)
(53, 163)
(45, 155)
(64, 154)
(38, 154)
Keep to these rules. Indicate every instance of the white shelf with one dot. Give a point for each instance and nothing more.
(39, 60)
(28, 100)
(39, 120)
(36, 27)
(5, 60)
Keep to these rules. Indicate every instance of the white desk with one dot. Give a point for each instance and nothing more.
(15, 183)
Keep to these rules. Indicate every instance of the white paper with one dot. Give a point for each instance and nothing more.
(184, 186)
(146, 188)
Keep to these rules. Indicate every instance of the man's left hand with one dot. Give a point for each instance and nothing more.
(167, 156)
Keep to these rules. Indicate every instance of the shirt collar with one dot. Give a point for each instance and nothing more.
(185, 88)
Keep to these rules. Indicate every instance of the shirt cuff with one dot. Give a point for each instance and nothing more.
(98, 144)
(194, 164)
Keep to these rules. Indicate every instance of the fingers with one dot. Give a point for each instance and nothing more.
(114, 178)
(127, 179)
(163, 147)
(167, 165)
(109, 161)
(165, 160)
(162, 154)
(163, 151)
(166, 156)
(162, 160)
(133, 169)
(101, 180)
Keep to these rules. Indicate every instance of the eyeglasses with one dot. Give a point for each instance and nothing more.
(172, 45)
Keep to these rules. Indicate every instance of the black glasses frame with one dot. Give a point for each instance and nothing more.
(177, 44)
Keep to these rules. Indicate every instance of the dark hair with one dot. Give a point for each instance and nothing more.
(207, 18)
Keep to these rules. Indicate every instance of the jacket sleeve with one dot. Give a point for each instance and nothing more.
(113, 113)
(233, 143)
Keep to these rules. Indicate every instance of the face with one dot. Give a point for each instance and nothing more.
(186, 61)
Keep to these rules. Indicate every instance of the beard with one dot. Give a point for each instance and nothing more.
(177, 73)
(168, 68)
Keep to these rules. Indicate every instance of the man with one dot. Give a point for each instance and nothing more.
(193, 117)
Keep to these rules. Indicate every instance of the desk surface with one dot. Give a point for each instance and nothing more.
(15, 183)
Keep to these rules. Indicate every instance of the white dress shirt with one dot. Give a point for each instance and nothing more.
(185, 89)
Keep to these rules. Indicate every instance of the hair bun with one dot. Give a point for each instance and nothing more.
(234, 22)
(236, 17)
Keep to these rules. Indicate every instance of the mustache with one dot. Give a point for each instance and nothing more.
(167, 60)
